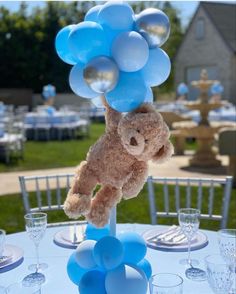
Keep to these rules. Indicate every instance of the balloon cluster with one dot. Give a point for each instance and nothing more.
(110, 265)
(116, 53)
(49, 91)
(216, 88)
(182, 89)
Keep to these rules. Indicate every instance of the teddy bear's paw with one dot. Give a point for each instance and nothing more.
(98, 215)
(77, 205)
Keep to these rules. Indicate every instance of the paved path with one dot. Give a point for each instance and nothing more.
(176, 167)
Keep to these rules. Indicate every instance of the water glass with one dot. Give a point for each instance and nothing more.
(227, 245)
(166, 283)
(189, 220)
(218, 274)
(2, 241)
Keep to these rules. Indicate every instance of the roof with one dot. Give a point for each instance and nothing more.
(223, 16)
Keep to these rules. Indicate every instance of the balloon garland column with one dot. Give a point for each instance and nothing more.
(115, 54)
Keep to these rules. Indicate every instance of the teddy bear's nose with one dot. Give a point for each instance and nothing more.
(133, 142)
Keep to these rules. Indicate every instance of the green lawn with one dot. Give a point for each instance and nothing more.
(133, 210)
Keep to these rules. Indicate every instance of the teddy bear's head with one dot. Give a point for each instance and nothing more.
(145, 135)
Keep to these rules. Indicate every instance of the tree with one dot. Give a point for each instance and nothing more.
(27, 53)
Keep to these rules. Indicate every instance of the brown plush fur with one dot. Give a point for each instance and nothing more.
(118, 162)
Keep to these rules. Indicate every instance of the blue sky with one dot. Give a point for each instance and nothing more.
(186, 8)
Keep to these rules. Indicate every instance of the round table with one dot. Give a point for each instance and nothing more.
(56, 257)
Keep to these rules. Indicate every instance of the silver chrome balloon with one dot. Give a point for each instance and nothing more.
(101, 74)
(154, 26)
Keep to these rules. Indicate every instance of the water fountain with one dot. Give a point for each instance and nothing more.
(204, 131)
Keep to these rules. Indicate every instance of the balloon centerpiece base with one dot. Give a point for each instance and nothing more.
(110, 265)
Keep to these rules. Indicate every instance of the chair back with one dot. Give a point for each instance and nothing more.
(189, 192)
(47, 191)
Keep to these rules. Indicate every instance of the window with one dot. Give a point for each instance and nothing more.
(200, 29)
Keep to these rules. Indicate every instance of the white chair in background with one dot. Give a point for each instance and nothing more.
(164, 183)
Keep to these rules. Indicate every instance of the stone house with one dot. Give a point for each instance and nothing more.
(209, 42)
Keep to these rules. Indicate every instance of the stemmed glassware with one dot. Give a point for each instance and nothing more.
(35, 224)
(227, 245)
(189, 220)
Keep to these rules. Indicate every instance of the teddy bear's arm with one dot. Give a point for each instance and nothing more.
(135, 183)
(112, 117)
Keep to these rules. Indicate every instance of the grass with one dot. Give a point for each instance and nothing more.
(133, 210)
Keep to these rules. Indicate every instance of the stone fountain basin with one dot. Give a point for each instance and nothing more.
(191, 129)
(203, 107)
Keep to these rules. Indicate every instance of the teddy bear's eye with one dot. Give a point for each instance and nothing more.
(138, 130)
(146, 141)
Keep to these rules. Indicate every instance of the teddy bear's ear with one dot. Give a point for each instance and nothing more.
(145, 108)
(164, 153)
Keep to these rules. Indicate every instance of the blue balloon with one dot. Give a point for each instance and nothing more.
(88, 40)
(108, 252)
(93, 282)
(49, 91)
(84, 254)
(74, 271)
(61, 44)
(216, 88)
(116, 16)
(50, 110)
(130, 51)
(92, 14)
(129, 93)
(126, 280)
(157, 68)
(93, 233)
(78, 84)
(182, 89)
(145, 266)
(134, 247)
(149, 96)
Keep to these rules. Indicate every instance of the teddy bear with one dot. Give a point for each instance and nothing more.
(118, 162)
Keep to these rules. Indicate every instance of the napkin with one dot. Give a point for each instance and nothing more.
(170, 236)
(5, 259)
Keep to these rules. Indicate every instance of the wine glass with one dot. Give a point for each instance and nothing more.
(189, 220)
(35, 224)
(227, 244)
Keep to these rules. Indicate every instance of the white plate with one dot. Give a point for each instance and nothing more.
(16, 254)
(64, 238)
(198, 242)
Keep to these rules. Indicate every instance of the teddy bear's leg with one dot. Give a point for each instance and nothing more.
(135, 183)
(103, 201)
(78, 199)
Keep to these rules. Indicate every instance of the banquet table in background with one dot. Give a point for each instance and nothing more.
(64, 123)
(56, 257)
